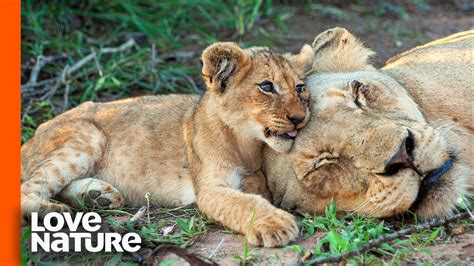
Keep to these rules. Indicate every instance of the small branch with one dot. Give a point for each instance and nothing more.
(106, 50)
(390, 237)
(97, 64)
(27, 86)
(215, 249)
(69, 70)
(179, 56)
(53, 84)
(139, 215)
(41, 61)
(66, 97)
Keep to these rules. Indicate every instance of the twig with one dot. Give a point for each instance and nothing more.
(25, 113)
(66, 89)
(41, 61)
(67, 71)
(179, 56)
(66, 97)
(97, 63)
(154, 58)
(180, 252)
(25, 87)
(215, 249)
(140, 213)
(390, 237)
(148, 198)
(106, 50)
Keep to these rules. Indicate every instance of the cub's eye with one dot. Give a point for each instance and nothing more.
(266, 86)
(300, 88)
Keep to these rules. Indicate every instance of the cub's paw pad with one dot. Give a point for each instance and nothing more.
(275, 229)
(94, 194)
(105, 198)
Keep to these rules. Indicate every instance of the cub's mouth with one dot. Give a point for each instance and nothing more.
(290, 135)
(430, 180)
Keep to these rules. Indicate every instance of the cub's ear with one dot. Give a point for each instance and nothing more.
(303, 61)
(337, 50)
(221, 61)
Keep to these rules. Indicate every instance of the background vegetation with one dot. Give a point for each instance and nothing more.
(169, 36)
(76, 51)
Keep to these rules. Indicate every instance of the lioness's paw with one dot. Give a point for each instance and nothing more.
(277, 228)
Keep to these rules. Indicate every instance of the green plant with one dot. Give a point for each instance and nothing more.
(168, 35)
(24, 236)
(349, 233)
(187, 230)
(247, 257)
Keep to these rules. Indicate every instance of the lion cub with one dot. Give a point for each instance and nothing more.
(180, 148)
(254, 97)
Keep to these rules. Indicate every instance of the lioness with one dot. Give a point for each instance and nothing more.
(381, 142)
(161, 144)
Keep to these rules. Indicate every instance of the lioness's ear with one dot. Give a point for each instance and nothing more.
(221, 61)
(303, 61)
(337, 50)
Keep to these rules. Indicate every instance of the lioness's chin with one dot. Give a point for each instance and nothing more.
(441, 199)
(279, 144)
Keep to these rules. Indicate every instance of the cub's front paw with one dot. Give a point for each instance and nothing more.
(275, 228)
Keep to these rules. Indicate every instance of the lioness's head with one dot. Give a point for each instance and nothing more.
(259, 92)
(367, 144)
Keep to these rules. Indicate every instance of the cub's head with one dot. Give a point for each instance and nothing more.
(258, 92)
(367, 144)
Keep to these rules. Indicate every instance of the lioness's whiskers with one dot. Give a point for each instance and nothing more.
(362, 205)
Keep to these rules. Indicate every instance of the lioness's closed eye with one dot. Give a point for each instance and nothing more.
(179, 148)
(377, 143)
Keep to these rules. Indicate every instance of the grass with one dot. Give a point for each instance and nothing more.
(345, 234)
(336, 235)
(181, 226)
(247, 257)
(169, 35)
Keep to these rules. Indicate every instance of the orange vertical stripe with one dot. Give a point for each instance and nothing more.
(10, 58)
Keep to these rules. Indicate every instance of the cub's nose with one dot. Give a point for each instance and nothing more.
(296, 120)
(403, 158)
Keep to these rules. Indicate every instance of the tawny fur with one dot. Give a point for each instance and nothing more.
(165, 144)
(343, 149)
(344, 53)
(127, 135)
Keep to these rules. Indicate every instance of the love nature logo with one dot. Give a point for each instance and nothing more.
(49, 239)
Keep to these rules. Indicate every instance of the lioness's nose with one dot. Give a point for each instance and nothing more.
(403, 158)
(295, 119)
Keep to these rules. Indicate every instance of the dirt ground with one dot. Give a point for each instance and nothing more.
(460, 252)
(225, 246)
(387, 35)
